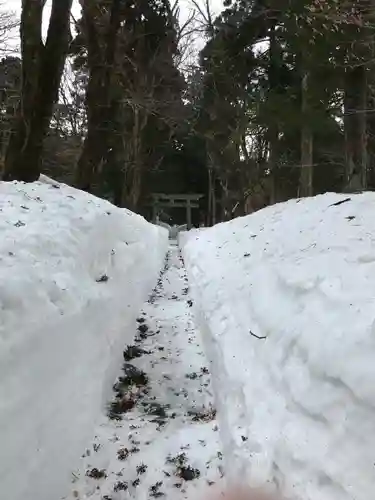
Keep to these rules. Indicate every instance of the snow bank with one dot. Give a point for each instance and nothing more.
(74, 271)
(286, 300)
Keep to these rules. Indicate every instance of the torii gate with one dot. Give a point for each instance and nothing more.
(162, 200)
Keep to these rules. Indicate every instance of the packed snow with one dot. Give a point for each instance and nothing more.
(285, 299)
(74, 272)
(159, 437)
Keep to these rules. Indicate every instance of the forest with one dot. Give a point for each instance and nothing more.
(266, 101)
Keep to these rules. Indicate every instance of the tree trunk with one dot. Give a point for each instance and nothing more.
(211, 212)
(273, 133)
(355, 104)
(370, 115)
(132, 182)
(209, 197)
(243, 148)
(42, 67)
(225, 199)
(371, 131)
(113, 168)
(90, 157)
(306, 177)
(101, 62)
(273, 138)
(214, 205)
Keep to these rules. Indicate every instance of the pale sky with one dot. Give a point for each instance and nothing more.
(15, 6)
(185, 6)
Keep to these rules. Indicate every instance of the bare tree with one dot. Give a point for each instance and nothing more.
(186, 37)
(194, 28)
(148, 100)
(204, 16)
(9, 23)
(71, 101)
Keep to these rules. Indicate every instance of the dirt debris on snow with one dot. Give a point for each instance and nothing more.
(203, 415)
(96, 473)
(122, 453)
(159, 437)
(133, 351)
(120, 486)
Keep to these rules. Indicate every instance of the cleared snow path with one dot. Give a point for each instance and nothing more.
(166, 443)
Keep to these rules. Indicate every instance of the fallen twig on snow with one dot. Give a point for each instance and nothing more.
(257, 336)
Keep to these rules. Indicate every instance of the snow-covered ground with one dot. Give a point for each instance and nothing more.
(285, 299)
(162, 439)
(74, 272)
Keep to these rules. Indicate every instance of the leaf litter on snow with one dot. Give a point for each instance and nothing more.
(160, 435)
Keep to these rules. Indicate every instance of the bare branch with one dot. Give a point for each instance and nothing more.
(9, 31)
(205, 15)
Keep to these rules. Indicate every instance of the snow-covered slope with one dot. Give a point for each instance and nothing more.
(74, 271)
(286, 300)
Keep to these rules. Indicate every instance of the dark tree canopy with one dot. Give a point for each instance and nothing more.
(279, 103)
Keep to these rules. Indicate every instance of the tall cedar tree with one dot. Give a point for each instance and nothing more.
(272, 113)
(133, 96)
(101, 22)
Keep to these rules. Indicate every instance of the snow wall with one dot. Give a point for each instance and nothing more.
(285, 299)
(74, 272)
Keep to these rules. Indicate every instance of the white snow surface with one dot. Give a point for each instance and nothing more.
(171, 430)
(285, 299)
(74, 271)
